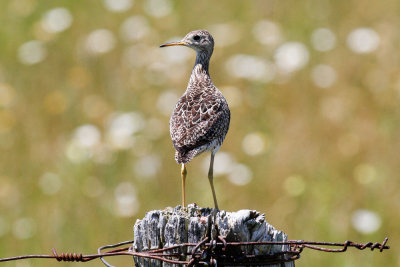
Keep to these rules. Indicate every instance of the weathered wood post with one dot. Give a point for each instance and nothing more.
(174, 226)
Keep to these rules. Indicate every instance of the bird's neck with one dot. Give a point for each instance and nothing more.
(200, 72)
(202, 61)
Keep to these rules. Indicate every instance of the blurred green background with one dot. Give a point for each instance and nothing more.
(85, 100)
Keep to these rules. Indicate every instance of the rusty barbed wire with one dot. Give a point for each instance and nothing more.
(209, 252)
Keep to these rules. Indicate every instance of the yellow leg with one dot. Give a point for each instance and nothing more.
(210, 179)
(183, 175)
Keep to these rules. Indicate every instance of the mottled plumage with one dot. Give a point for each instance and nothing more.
(201, 117)
(200, 120)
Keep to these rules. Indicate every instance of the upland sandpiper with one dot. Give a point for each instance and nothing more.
(201, 117)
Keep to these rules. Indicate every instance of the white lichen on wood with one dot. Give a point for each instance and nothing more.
(174, 226)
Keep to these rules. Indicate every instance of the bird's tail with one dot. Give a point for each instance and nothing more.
(185, 157)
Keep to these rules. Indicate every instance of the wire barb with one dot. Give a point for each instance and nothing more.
(345, 245)
(72, 257)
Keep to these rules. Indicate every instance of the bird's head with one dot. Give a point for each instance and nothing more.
(200, 41)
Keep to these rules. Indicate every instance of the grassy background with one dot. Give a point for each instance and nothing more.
(325, 152)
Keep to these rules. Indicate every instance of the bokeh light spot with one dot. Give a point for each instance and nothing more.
(323, 76)
(87, 135)
(240, 175)
(32, 52)
(291, 56)
(76, 153)
(100, 41)
(323, 39)
(147, 166)
(267, 33)
(118, 5)
(223, 163)
(56, 20)
(158, 8)
(24, 228)
(366, 221)
(250, 67)
(121, 127)
(294, 185)
(136, 56)
(126, 201)
(254, 144)
(363, 40)
(50, 183)
(134, 28)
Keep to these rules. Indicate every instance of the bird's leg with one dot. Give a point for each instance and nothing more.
(210, 178)
(183, 175)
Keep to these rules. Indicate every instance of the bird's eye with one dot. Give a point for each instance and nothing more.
(196, 38)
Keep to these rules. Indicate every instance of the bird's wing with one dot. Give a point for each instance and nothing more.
(196, 121)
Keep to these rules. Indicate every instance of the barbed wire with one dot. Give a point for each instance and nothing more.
(209, 252)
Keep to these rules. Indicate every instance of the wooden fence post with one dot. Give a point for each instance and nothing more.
(173, 226)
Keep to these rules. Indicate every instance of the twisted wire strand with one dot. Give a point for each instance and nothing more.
(208, 252)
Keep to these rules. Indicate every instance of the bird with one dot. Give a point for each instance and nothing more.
(200, 120)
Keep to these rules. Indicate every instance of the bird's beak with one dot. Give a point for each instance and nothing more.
(173, 43)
